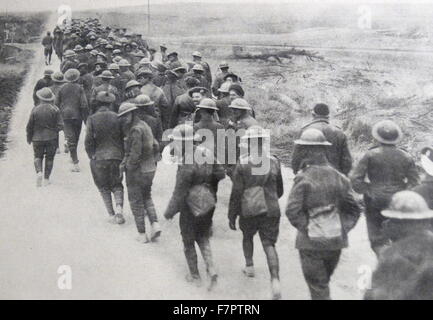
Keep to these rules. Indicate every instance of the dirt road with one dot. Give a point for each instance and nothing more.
(65, 224)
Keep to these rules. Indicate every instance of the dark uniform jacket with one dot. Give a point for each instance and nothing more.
(56, 87)
(155, 125)
(68, 64)
(139, 149)
(44, 123)
(42, 83)
(389, 170)
(172, 90)
(189, 175)
(338, 153)
(244, 178)
(218, 81)
(214, 127)
(161, 105)
(425, 189)
(320, 186)
(107, 88)
(104, 138)
(224, 112)
(72, 102)
(183, 110)
(86, 81)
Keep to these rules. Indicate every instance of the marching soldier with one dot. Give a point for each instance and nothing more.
(338, 153)
(224, 112)
(198, 59)
(139, 164)
(323, 209)
(73, 106)
(184, 106)
(257, 213)
(106, 86)
(69, 62)
(192, 180)
(46, 81)
(43, 131)
(104, 146)
(389, 170)
(219, 78)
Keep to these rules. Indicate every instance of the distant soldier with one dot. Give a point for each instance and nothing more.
(323, 209)
(161, 56)
(184, 107)
(173, 61)
(258, 213)
(69, 62)
(46, 81)
(219, 78)
(140, 165)
(171, 89)
(43, 131)
(106, 86)
(155, 94)
(104, 146)
(198, 59)
(81, 54)
(196, 213)
(73, 106)
(47, 42)
(58, 82)
(126, 74)
(58, 42)
(338, 153)
(225, 114)
(146, 113)
(389, 170)
(86, 79)
(197, 71)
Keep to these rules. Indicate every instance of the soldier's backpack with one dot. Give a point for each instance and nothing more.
(253, 202)
(324, 224)
(200, 200)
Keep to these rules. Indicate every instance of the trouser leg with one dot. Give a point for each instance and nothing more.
(272, 259)
(206, 253)
(49, 158)
(248, 248)
(108, 201)
(191, 258)
(317, 267)
(376, 235)
(38, 164)
(72, 130)
(147, 196)
(136, 201)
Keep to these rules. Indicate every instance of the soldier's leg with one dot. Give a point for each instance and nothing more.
(248, 231)
(374, 220)
(39, 150)
(76, 127)
(187, 230)
(136, 201)
(50, 153)
(117, 190)
(315, 274)
(331, 262)
(206, 252)
(149, 205)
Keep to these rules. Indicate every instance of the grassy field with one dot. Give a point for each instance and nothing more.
(14, 63)
(362, 85)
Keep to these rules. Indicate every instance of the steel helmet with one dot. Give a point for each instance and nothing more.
(225, 87)
(312, 137)
(198, 67)
(113, 66)
(196, 54)
(106, 74)
(58, 77)
(144, 61)
(240, 103)
(125, 108)
(72, 75)
(78, 48)
(386, 132)
(48, 72)
(89, 47)
(183, 132)
(143, 100)
(117, 51)
(132, 83)
(69, 53)
(223, 65)
(408, 205)
(207, 103)
(45, 94)
(124, 63)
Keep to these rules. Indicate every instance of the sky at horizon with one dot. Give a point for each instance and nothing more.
(53, 5)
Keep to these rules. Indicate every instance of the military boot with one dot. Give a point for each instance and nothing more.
(276, 289)
(191, 259)
(39, 176)
(206, 252)
(106, 197)
(118, 199)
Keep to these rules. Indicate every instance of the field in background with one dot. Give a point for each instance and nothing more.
(362, 84)
(24, 30)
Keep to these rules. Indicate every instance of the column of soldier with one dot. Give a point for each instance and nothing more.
(128, 95)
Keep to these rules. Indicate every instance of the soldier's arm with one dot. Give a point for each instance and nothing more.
(349, 207)
(184, 178)
(60, 123)
(135, 150)
(295, 210)
(84, 105)
(346, 157)
(296, 158)
(89, 141)
(412, 174)
(280, 185)
(174, 114)
(236, 194)
(29, 128)
(358, 176)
